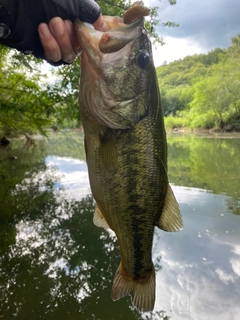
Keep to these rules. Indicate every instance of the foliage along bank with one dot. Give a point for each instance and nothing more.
(203, 91)
(33, 101)
(200, 91)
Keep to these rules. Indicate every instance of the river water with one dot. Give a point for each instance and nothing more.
(56, 265)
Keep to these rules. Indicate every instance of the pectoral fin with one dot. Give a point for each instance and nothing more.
(99, 220)
(109, 151)
(171, 219)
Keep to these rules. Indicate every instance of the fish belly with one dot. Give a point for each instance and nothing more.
(130, 194)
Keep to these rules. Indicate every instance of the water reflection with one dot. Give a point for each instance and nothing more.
(207, 162)
(55, 264)
(201, 265)
(74, 176)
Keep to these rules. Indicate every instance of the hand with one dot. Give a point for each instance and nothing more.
(20, 28)
(59, 39)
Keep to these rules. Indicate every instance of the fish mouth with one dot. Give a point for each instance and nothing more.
(112, 47)
(116, 39)
(105, 61)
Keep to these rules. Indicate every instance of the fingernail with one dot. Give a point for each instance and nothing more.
(105, 26)
(70, 58)
(69, 26)
(57, 26)
(43, 29)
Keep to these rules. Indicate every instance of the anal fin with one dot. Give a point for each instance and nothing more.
(171, 219)
(99, 220)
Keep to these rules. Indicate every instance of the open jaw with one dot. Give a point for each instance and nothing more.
(112, 47)
(110, 60)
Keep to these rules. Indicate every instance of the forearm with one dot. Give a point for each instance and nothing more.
(14, 22)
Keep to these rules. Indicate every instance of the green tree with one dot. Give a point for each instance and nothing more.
(203, 90)
(29, 102)
(174, 99)
(216, 98)
(23, 104)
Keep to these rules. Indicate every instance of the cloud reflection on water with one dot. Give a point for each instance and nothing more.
(201, 264)
(74, 175)
(200, 274)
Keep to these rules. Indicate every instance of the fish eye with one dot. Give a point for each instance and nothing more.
(143, 59)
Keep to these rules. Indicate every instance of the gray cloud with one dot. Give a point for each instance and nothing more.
(206, 23)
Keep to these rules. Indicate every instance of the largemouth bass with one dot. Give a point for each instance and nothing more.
(126, 148)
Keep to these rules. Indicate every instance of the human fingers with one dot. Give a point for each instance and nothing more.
(100, 24)
(62, 36)
(51, 49)
(73, 37)
(57, 38)
(104, 23)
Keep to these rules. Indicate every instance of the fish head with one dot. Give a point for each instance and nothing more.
(117, 73)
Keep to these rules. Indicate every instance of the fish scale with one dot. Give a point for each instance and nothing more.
(126, 151)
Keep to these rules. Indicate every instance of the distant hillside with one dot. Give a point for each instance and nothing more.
(203, 91)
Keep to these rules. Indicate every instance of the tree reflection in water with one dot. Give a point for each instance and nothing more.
(55, 264)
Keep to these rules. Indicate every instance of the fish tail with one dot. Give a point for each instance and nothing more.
(142, 290)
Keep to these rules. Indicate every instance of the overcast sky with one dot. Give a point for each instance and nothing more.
(204, 25)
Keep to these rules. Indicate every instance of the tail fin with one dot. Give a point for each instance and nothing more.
(142, 291)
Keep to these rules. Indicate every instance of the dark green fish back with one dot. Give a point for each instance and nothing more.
(126, 153)
(127, 170)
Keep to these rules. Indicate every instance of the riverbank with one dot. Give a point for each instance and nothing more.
(213, 131)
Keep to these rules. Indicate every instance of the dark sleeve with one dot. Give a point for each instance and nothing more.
(19, 20)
